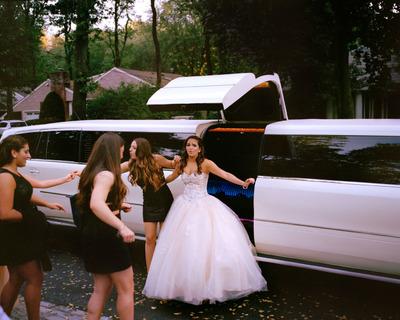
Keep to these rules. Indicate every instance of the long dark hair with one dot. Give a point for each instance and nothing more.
(200, 158)
(105, 155)
(13, 142)
(145, 167)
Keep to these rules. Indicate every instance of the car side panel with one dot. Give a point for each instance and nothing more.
(342, 224)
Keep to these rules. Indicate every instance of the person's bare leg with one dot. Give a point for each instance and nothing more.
(125, 288)
(32, 274)
(4, 276)
(102, 288)
(10, 291)
(150, 228)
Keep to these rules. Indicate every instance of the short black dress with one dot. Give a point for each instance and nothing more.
(156, 204)
(21, 242)
(103, 251)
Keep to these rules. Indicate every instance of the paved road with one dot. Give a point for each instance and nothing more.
(293, 293)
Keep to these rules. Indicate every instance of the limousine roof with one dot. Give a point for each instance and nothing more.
(174, 126)
(376, 127)
(214, 92)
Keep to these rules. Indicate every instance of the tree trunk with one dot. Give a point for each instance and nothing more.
(81, 61)
(208, 53)
(156, 44)
(117, 60)
(68, 46)
(9, 101)
(345, 100)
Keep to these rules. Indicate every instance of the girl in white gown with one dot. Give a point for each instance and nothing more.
(203, 251)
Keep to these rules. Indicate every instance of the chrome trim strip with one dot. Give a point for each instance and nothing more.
(382, 185)
(69, 196)
(328, 269)
(326, 228)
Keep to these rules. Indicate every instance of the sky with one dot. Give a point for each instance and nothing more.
(142, 8)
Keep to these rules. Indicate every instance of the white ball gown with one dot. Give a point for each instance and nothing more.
(203, 251)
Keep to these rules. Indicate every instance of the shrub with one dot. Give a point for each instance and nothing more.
(128, 101)
(52, 108)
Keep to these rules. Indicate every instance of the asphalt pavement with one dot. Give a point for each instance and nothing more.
(294, 294)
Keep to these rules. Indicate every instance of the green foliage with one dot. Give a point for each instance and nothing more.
(128, 101)
(52, 108)
(50, 59)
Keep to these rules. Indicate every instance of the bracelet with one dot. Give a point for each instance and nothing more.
(121, 227)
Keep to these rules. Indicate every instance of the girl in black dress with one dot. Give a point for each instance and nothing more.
(22, 229)
(145, 170)
(104, 235)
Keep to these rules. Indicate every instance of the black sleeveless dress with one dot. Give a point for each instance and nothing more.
(156, 204)
(24, 241)
(102, 250)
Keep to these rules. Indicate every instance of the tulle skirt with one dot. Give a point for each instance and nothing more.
(203, 253)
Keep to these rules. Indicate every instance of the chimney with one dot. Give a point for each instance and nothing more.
(59, 81)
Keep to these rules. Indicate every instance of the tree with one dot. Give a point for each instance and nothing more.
(62, 13)
(33, 12)
(52, 108)
(156, 44)
(50, 58)
(306, 41)
(118, 36)
(125, 102)
(15, 51)
(194, 10)
(85, 17)
(183, 40)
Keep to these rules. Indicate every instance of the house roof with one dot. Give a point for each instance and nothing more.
(110, 79)
(33, 101)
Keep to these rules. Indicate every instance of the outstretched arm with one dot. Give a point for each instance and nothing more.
(210, 166)
(175, 174)
(52, 205)
(52, 182)
(165, 163)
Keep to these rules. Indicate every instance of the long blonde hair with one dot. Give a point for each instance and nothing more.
(145, 166)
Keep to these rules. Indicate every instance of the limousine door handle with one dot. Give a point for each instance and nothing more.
(34, 171)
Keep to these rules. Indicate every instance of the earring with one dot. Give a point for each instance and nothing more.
(14, 156)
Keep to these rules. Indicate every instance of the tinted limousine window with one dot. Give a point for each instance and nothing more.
(75, 145)
(373, 159)
(166, 144)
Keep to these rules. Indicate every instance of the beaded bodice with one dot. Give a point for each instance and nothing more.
(195, 185)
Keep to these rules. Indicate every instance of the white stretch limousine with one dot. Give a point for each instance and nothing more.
(327, 192)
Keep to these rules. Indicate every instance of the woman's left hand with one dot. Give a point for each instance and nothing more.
(177, 160)
(247, 182)
(71, 176)
(126, 207)
(57, 206)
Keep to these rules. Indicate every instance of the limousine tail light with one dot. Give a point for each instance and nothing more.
(236, 130)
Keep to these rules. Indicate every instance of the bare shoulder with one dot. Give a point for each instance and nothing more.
(105, 177)
(207, 165)
(6, 176)
(159, 158)
(125, 166)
